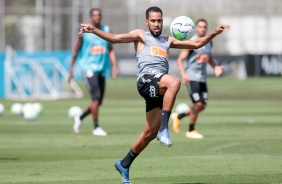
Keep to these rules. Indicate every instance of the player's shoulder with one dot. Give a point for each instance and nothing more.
(105, 27)
(194, 37)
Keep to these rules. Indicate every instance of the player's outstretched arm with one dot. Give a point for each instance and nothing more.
(132, 36)
(218, 70)
(74, 55)
(194, 44)
(181, 58)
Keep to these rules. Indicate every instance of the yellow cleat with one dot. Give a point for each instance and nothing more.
(175, 122)
(194, 135)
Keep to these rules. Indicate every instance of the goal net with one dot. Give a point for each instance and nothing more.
(37, 78)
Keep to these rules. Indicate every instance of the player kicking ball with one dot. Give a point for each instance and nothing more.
(195, 77)
(94, 56)
(153, 82)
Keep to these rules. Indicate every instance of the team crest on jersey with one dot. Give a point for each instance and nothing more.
(163, 41)
(152, 91)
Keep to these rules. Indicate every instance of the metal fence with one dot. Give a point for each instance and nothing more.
(33, 25)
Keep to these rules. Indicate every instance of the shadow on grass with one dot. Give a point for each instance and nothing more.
(8, 159)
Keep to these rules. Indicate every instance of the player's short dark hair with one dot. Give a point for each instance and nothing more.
(153, 9)
(94, 9)
(201, 20)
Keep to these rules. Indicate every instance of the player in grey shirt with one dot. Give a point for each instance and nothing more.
(154, 84)
(195, 76)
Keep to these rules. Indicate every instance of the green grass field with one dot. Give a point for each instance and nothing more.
(242, 126)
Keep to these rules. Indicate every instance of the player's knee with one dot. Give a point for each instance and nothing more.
(150, 135)
(175, 84)
(201, 106)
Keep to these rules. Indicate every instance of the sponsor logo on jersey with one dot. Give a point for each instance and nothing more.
(156, 51)
(201, 58)
(97, 50)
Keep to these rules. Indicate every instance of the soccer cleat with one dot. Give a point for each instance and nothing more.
(164, 138)
(175, 122)
(99, 132)
(124, 172)
(194, 135)
(77, 124)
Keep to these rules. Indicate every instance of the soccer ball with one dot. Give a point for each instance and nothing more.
(74, 111)
(37, 107)
(27, 107)
(16, 109)
(182, 28)
(30, 114)
(182, 108)
(2, 109)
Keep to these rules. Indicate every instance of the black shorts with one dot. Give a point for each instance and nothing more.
(198, 91)
(148, 88)
(95, 83)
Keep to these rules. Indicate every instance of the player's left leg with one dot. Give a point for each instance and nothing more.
(96, 104)
(153, 121)
(199, 106)
(95, 83)
(168, 87)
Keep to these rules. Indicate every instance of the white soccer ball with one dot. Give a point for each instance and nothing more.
(30, 114)
(2, 109)
(182, 28)
(27, 107)
(182, 108)
(37, 107)
(74, 111)
(16, 109)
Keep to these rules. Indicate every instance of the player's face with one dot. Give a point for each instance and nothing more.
(96, 17)
(201, 28)
(155, 23)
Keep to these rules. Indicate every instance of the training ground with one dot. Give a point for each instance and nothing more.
(242, 126)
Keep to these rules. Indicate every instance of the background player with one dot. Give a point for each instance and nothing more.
(94, 56)
(194, 76)
(154, 84)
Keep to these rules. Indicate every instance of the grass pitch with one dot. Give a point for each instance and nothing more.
(242, 126)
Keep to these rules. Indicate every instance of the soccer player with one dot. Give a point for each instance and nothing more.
(94, 56)
(153, 82)
(195, 76)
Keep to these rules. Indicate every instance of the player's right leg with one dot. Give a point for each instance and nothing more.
(153, 121)
(95, 83)
(168, 87)
(198, 94)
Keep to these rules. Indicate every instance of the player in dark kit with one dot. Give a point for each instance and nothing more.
(94, 56)
(154, 84)
(194, 76)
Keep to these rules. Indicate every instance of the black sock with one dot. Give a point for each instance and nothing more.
(191, 127)
(165, 119)
(82, 116)
(95, 123)
(128, 159)
(181, 115)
